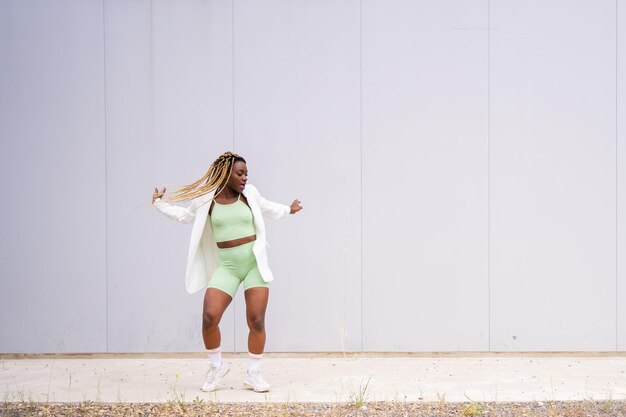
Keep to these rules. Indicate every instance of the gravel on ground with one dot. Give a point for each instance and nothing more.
(589, 408)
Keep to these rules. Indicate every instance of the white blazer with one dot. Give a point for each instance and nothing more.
(202, 257)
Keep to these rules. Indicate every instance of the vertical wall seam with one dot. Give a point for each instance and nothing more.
(232, 47)
(152, 83)
(361, 150)
(106, 199)
(616, 174)
(232, 28)
(488, 176)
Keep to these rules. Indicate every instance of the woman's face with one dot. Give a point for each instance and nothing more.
(239, 177)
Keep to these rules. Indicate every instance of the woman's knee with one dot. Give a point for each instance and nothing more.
(210, 319)
(256, 322)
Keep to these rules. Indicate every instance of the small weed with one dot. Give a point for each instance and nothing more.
(86, 407)
(441, 401)
(60, 350)
(98, 390)
(20, 393)
(359, 398)
(474, 409)
(20, 390)
(49, 381)
(69, 388)
(119, 394)
(552, 408)
(421, 397)
(32, 406)
(287, 404)
(285, 409)
(608, 405)
(179, 396)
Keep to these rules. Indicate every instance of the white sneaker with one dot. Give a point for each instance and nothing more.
(214, 376)
(255, 381)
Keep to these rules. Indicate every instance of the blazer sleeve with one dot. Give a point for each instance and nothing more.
(180, 214)
(271, 209)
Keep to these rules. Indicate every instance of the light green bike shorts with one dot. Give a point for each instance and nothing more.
(236, 265)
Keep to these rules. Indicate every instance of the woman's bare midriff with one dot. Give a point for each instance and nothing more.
(236, 242)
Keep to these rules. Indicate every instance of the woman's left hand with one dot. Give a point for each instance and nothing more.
(295, 206)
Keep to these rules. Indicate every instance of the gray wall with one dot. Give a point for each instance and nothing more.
(461, 164)
(620, 295)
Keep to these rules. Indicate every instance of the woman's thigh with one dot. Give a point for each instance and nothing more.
(215, 302)
(256, 302)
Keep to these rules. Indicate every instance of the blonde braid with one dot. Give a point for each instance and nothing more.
(215, 178)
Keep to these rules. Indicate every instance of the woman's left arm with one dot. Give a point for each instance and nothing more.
(276, 210)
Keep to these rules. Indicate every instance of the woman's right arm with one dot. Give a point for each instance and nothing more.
(180, 214)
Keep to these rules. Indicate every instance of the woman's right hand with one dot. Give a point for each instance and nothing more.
(157, 194)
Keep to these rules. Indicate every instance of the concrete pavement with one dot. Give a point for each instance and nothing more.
(318, 378)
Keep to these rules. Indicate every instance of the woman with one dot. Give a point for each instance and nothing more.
(229, 248)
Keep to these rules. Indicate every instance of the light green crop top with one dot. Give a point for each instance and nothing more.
(232, 221)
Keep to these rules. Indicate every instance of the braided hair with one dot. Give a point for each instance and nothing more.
(214, 179)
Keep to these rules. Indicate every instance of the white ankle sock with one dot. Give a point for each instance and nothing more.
(254, 361)
(215, 356)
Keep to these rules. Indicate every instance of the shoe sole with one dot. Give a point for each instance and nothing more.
(250, 386)
(218, 382)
